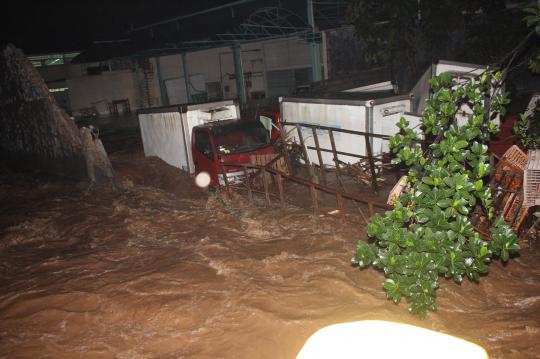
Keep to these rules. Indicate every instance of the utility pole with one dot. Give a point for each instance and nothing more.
(314, 47)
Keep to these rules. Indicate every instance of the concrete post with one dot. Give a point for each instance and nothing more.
(239, 72)
(314, 47)
(186, 76)
(162, 89)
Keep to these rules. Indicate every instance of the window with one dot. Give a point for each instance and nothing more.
(203, 144)
(240, 137)
(51, 59)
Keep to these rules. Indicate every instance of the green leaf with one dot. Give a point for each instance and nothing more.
(444, 203)
(463, 209)
(365, 254)
(461, 144)
(449, 181)
(483, 251)
(478, 185)
(423, 215)
(403, 123)
(428, 181)
(392, 290)
(531, 10)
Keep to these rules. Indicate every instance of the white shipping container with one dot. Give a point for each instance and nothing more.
(377, 116)
(166, 131)
(459, 71)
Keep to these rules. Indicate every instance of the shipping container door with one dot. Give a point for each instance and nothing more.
(163, 136)
(348, 117)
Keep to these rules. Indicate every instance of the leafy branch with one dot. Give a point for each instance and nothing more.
(429, 233)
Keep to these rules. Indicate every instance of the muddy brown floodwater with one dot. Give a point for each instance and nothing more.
(163, 270)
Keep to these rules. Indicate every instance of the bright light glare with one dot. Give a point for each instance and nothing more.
(202, 179)
(380, 339)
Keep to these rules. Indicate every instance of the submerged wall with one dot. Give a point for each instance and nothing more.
(35, 133)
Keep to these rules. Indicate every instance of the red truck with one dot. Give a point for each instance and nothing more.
(205, 137)
(215, 144)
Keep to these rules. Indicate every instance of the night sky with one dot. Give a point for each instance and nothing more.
(60, 25)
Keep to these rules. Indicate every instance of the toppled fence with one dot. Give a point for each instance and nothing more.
(269, 179)
(267, 174)
(374, 162)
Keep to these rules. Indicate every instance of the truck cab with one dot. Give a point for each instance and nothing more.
(232, 141)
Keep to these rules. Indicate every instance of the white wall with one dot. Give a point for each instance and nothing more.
(171, 66)
(217, 64)
(214, 65)
(286, 54)
(98, 90)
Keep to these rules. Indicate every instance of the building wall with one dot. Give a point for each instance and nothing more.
(99, 90)
(55, 78)
(285, 62)
(53, 73)
(258, 59)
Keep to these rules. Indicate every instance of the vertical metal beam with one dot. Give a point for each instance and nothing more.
(186, 76)
(314, 48)
(369, 121)
(314, 200)
(305, 153)
(248, 184)
(239, 72)
(265, 184)
(341, 208)
(371, 164)
(162, 90)
(319, 155)
(325, 64)
(283, 139)
(279, 183)
(334, 153)
(224, 174)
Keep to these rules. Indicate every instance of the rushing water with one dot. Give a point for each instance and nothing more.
(163, 270)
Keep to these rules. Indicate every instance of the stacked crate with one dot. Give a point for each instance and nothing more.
(531, 186)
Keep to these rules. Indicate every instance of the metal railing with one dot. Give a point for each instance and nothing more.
(371, 158)
(251, 171)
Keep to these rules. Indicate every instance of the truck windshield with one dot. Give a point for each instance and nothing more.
(240, 137)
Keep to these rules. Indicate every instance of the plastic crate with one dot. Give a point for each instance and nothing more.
(396, 190)
(515, 156)
(531, 185)
(515, 211)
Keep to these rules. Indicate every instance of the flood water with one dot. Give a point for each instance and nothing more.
(164, 270)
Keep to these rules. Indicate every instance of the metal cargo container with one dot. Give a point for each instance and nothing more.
(375, 115)
(166, 131)
(458, 71)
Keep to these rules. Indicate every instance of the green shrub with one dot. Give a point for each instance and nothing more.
(429, 233)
